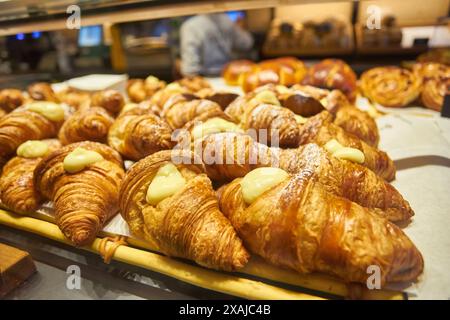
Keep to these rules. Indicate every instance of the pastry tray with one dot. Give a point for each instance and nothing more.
(257, 280)
(418, 140)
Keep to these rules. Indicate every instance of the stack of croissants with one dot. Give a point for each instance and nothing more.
(317, 200)
(426, 83)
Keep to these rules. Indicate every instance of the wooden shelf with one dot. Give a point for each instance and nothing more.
(155, 10)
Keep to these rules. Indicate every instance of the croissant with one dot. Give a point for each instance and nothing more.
(74, 98)
(347, 116)
(258, 116)
(179, 113)
(163, 95)
(10, 99)
(138, 133)
(42, 91)
(186, 222)
(222, 98)
(138, 89)
(320, 129)
(194, 84)
(23, 124)
(333, 74)
(435, 83)
(90, 124)
(299, 225)
(232, 155)
(111, 100)
(390, 86)
(17, 190)
(84, 197)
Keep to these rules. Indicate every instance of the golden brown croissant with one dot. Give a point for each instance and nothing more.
(139, 133)
(74, 98)
(186, 222)
(90, 124)
(347, 116)
(111, 100)
(299, 225)
(278, 121)
(42, 91)
(320, 129)
(10, 99)
(162, 96)
(390, 86)
(231, 155)
(194, 84)
(138, 89)
(17, 191)
(179, 113)
(21, 125)
(435, 83)
(222, 98)
(86, 198)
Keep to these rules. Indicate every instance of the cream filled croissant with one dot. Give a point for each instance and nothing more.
(138, 132)
(292, 221)
(232, 155)
(17, 191)
(34, 121)
(82, 179)
(320, 129)
(166, 198)
(89, 124)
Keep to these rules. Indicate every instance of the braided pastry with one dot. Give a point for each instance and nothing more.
(390, 86)
(82, 179)
(234, 70)
(333, 74)
(90, 124)
(181, 215)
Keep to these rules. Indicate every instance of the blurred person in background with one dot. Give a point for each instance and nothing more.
(208, 43)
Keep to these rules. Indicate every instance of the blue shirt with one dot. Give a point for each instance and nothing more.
(208, 41)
